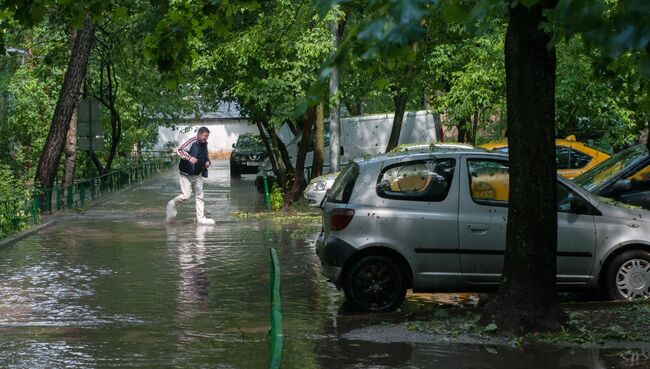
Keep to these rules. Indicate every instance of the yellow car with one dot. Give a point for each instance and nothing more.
(572, 157)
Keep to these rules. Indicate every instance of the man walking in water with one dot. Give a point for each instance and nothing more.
(193, 167)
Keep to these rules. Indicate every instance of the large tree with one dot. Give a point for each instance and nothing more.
(527, 299)
(30, 14)
(68, 98)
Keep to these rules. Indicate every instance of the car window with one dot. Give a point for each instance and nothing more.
(569, 158)
(422, 180)
(249, 141)
(490, 183)
(564, 196)
(344, 184)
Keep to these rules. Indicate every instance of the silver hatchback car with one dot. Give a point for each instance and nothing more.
(436, 222)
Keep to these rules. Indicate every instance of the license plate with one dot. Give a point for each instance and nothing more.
(253, 164)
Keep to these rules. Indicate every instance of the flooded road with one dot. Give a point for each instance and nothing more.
(116, 287)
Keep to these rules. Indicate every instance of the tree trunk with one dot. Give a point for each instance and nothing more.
(475, 117)
(464, 134)
(267, 143)
(70, 152)
(336, 28)
(400, 98)
(400, 107)
(282, 159)
(48, 163)
(353, 108)
(299, 174)
(319, 143)
(71, 139)
(526, 300)
(116, 121)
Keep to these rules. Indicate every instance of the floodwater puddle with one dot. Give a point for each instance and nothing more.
(116, 287)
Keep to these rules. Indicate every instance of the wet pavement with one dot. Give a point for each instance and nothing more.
(116, 287)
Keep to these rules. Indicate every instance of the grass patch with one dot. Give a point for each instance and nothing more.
(302, 219)
(586, 325)
(630, 322)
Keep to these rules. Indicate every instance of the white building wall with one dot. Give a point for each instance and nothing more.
(223, 133)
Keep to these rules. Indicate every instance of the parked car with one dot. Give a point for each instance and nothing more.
(247, 155)
(624, 177)
(436, 222)
(572, 157)
(317, 187)
(315, 191)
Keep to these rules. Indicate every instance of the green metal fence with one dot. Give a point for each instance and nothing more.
(85, 190)
(276, 339)
(19, 212)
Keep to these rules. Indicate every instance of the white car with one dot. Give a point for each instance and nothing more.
(315, 191)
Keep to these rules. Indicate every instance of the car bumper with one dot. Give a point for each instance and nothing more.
(333, 254)
(314, 198)
(248, 168)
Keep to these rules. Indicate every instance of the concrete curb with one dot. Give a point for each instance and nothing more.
(26, 233)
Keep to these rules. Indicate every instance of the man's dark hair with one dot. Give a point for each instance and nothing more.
(203, 130)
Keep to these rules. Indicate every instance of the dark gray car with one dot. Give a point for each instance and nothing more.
(436, 222)
(624, 177)
(247, 155)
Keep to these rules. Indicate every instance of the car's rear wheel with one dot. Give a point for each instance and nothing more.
(375, 283)
(628, 276)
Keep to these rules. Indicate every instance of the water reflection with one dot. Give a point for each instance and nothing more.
(194, 283)
(363, 354)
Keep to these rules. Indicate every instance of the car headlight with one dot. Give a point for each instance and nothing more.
(318, 186)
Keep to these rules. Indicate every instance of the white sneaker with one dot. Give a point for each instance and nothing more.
(205, 221)
(171, 211)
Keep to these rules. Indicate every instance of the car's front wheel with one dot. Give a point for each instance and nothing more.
(375, 283)
(235, 172)
(628, 276)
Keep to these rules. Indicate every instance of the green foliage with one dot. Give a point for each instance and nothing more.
(28, 113)
(268, 66)
(596, 98)
(276, 197)
(15, 202)
(469, 74)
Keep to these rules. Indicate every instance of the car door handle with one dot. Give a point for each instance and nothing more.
(478, 227)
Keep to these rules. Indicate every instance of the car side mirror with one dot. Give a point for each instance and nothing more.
(622, 185)
(233, 146)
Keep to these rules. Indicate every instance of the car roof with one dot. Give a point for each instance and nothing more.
(426, 153)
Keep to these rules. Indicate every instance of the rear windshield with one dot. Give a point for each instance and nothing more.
(343, 185)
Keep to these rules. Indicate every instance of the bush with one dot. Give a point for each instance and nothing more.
(15, 202)
(276, 197)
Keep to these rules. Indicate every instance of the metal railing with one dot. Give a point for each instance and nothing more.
(84, 190)
(20, 212)
(276, 338)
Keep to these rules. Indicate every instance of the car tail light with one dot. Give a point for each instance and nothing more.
(341, 218)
